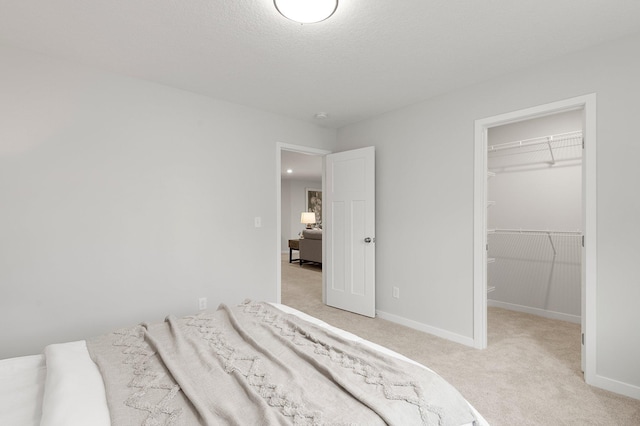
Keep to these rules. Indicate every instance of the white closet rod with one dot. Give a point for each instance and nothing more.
(536, 141)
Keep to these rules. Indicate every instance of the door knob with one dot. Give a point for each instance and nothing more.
(367, 240)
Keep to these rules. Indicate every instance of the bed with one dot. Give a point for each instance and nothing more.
(254, 363)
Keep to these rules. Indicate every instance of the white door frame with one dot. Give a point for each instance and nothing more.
(588, 104)
(303, 150)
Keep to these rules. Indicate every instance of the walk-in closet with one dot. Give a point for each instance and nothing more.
(534, 216)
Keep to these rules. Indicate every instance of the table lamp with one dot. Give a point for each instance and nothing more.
(308, 218)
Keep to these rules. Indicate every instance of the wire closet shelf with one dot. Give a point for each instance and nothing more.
(548, 233)
(544, 151)
(533, 231)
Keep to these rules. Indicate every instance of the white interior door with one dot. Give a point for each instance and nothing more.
(349, 205)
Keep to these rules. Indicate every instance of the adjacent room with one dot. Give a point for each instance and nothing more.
(239, 192)
(301, 209)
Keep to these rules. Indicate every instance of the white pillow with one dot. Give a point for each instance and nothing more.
(74, 391)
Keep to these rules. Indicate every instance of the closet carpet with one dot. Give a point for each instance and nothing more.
(529, 374)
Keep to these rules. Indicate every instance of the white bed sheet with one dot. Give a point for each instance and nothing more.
(21, 390)
(69, 390)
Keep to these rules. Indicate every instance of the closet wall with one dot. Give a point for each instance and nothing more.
(535, 216)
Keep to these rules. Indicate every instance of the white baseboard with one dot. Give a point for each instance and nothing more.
(615, 386)
(468, 341)
(535, 311)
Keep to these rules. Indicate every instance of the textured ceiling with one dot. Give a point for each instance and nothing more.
(370, 57)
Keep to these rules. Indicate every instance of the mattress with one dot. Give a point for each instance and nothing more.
(63, 386)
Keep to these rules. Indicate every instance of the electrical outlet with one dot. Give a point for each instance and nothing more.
(257, 221)
(202, 303)
(396, 292)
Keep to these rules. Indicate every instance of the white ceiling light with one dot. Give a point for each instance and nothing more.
(306, 11)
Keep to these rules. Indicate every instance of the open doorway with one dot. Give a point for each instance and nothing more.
(534, 219)
(534, 235)
(300, 186)
(348, 247)
(586, 107)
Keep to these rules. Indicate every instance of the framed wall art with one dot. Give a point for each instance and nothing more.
(314, 204)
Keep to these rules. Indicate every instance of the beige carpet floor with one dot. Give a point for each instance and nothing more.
(529, 374)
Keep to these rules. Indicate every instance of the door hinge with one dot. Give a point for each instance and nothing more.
(583, 241)
(582, 339)
(487, 247)
(583, 142)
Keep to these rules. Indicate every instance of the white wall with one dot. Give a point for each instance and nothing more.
(553, 124)
(124, 201)
(425, 160)
(545, 198)
(294, 202)
(527, 275)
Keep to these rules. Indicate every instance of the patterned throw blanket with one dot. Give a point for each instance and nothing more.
(255, 365)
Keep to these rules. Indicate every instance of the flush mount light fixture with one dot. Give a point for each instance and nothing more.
(306, 11)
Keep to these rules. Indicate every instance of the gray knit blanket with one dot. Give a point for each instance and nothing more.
(255, 365)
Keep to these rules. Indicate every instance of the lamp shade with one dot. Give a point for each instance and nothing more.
(308, 217)
(306, 11)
